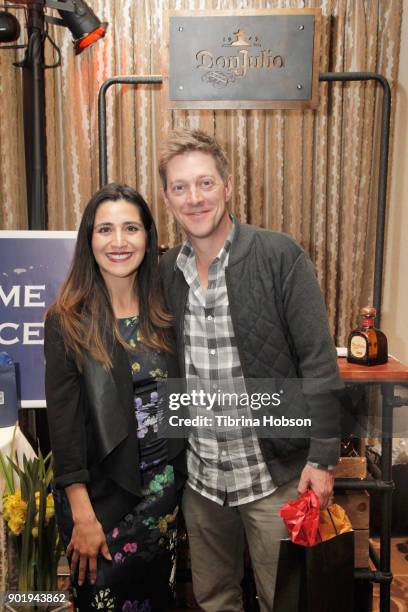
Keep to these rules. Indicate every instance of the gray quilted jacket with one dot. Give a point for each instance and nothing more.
(283, 340)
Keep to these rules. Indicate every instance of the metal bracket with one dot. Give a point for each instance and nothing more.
(13, 46)
(68, 6)
(373, 576)
(54, 20)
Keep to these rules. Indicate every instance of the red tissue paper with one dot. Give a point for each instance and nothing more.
(301, 516)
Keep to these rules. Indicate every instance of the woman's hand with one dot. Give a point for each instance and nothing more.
(87, 539)
(87, 542)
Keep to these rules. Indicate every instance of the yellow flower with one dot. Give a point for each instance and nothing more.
(49, 508)
(136, 367)
(16, 523)
(14, 511)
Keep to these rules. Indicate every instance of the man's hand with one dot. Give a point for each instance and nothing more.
(320, 481)
(87, 542)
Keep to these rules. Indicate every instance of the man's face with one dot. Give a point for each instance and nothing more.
(197, 195)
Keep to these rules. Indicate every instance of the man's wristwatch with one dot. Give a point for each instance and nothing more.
(321, 466)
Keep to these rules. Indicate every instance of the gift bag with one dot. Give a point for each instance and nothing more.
(8, 391)
(316, 565)
(317, 578)
(332, 522)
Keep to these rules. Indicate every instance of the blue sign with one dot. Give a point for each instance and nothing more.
(33, 266)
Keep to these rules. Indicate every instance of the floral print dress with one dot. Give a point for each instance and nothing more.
(141, 575)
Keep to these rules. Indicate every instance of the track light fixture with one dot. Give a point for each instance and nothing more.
(9, 27)
(85, 27)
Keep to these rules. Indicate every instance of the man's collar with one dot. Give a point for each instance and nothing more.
(187, 249)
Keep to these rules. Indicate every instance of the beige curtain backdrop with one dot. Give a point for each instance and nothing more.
(311, 174)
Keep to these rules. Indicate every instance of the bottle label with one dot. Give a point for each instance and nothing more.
(358, 347)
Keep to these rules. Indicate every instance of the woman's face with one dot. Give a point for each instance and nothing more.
(119, 239)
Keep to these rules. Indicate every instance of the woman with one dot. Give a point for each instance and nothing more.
(108, 351)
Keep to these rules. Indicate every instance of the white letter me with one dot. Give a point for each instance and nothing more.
(29, 296)
(13, 295)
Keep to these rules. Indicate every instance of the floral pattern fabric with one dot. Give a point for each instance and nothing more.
(141, 575)
(149, 373)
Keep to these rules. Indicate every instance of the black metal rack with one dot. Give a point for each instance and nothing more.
(386, 377)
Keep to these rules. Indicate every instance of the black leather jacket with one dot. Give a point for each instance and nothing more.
(92, 427)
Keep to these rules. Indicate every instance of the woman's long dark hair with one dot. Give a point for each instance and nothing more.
(83, 305)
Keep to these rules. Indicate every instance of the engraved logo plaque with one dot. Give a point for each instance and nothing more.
(243, 59)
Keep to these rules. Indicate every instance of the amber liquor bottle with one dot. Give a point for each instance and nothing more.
(367, 345)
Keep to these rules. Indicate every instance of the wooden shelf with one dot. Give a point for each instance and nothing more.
(392, 372)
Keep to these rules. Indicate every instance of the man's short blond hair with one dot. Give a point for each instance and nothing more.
(182, 141)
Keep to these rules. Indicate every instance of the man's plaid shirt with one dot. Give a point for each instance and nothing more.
(224, 466)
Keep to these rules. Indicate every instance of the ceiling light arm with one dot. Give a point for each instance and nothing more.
(13, 46)
(68, 6)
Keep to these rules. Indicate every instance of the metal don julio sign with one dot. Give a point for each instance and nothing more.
(243, 59)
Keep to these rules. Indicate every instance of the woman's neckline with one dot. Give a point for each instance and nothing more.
(134, 316)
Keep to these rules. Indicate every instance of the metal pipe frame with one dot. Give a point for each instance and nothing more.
(373, 576)
(102, 132)
(34, 119)
(385, 485)
(369, 485)
(387, 391)
(374, 556)
(332, 77)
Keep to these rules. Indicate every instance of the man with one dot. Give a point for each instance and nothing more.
(247, 306)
